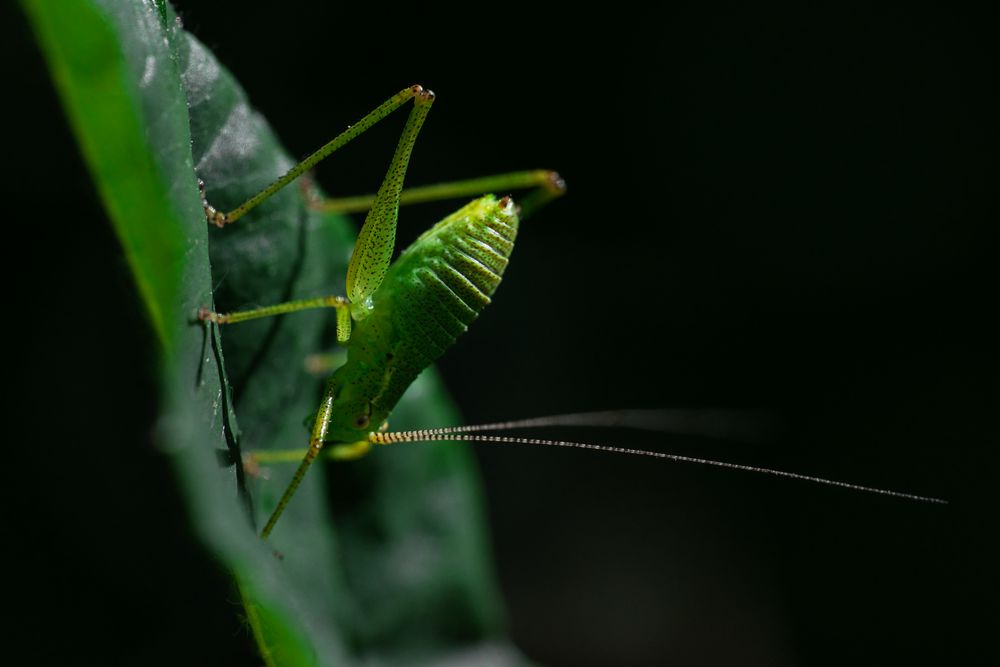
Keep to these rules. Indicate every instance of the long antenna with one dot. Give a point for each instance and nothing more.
(739, 424)
(432, 435)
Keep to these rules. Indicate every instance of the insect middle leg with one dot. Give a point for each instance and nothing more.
(338, 302)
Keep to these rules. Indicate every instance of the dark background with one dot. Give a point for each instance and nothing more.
(784, 208)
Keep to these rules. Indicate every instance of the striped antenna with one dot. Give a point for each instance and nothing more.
(449, 434)
(726, 424)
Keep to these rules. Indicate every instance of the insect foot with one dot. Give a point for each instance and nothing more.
(422, 94)
(253, 469)
(206, 315)
(215, 216)
(555, 183)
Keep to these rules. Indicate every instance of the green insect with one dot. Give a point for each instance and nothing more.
(398, 318)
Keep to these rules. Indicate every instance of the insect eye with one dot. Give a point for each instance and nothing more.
(362, 421)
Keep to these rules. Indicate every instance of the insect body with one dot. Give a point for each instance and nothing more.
(398, 319)
(429, 296)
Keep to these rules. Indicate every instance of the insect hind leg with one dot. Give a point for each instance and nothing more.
(545, 184)
(220, 218)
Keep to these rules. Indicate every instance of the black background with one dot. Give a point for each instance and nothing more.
(777, 207)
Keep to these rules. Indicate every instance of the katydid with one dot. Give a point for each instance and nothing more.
(405, 315)
(399, 317)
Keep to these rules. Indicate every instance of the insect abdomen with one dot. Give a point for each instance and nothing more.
(450, 273)
(439, 285)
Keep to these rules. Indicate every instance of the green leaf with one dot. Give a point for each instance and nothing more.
(384, 559)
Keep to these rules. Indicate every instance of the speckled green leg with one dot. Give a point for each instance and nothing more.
(546, 185)
(221, 219)
(377, 238)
